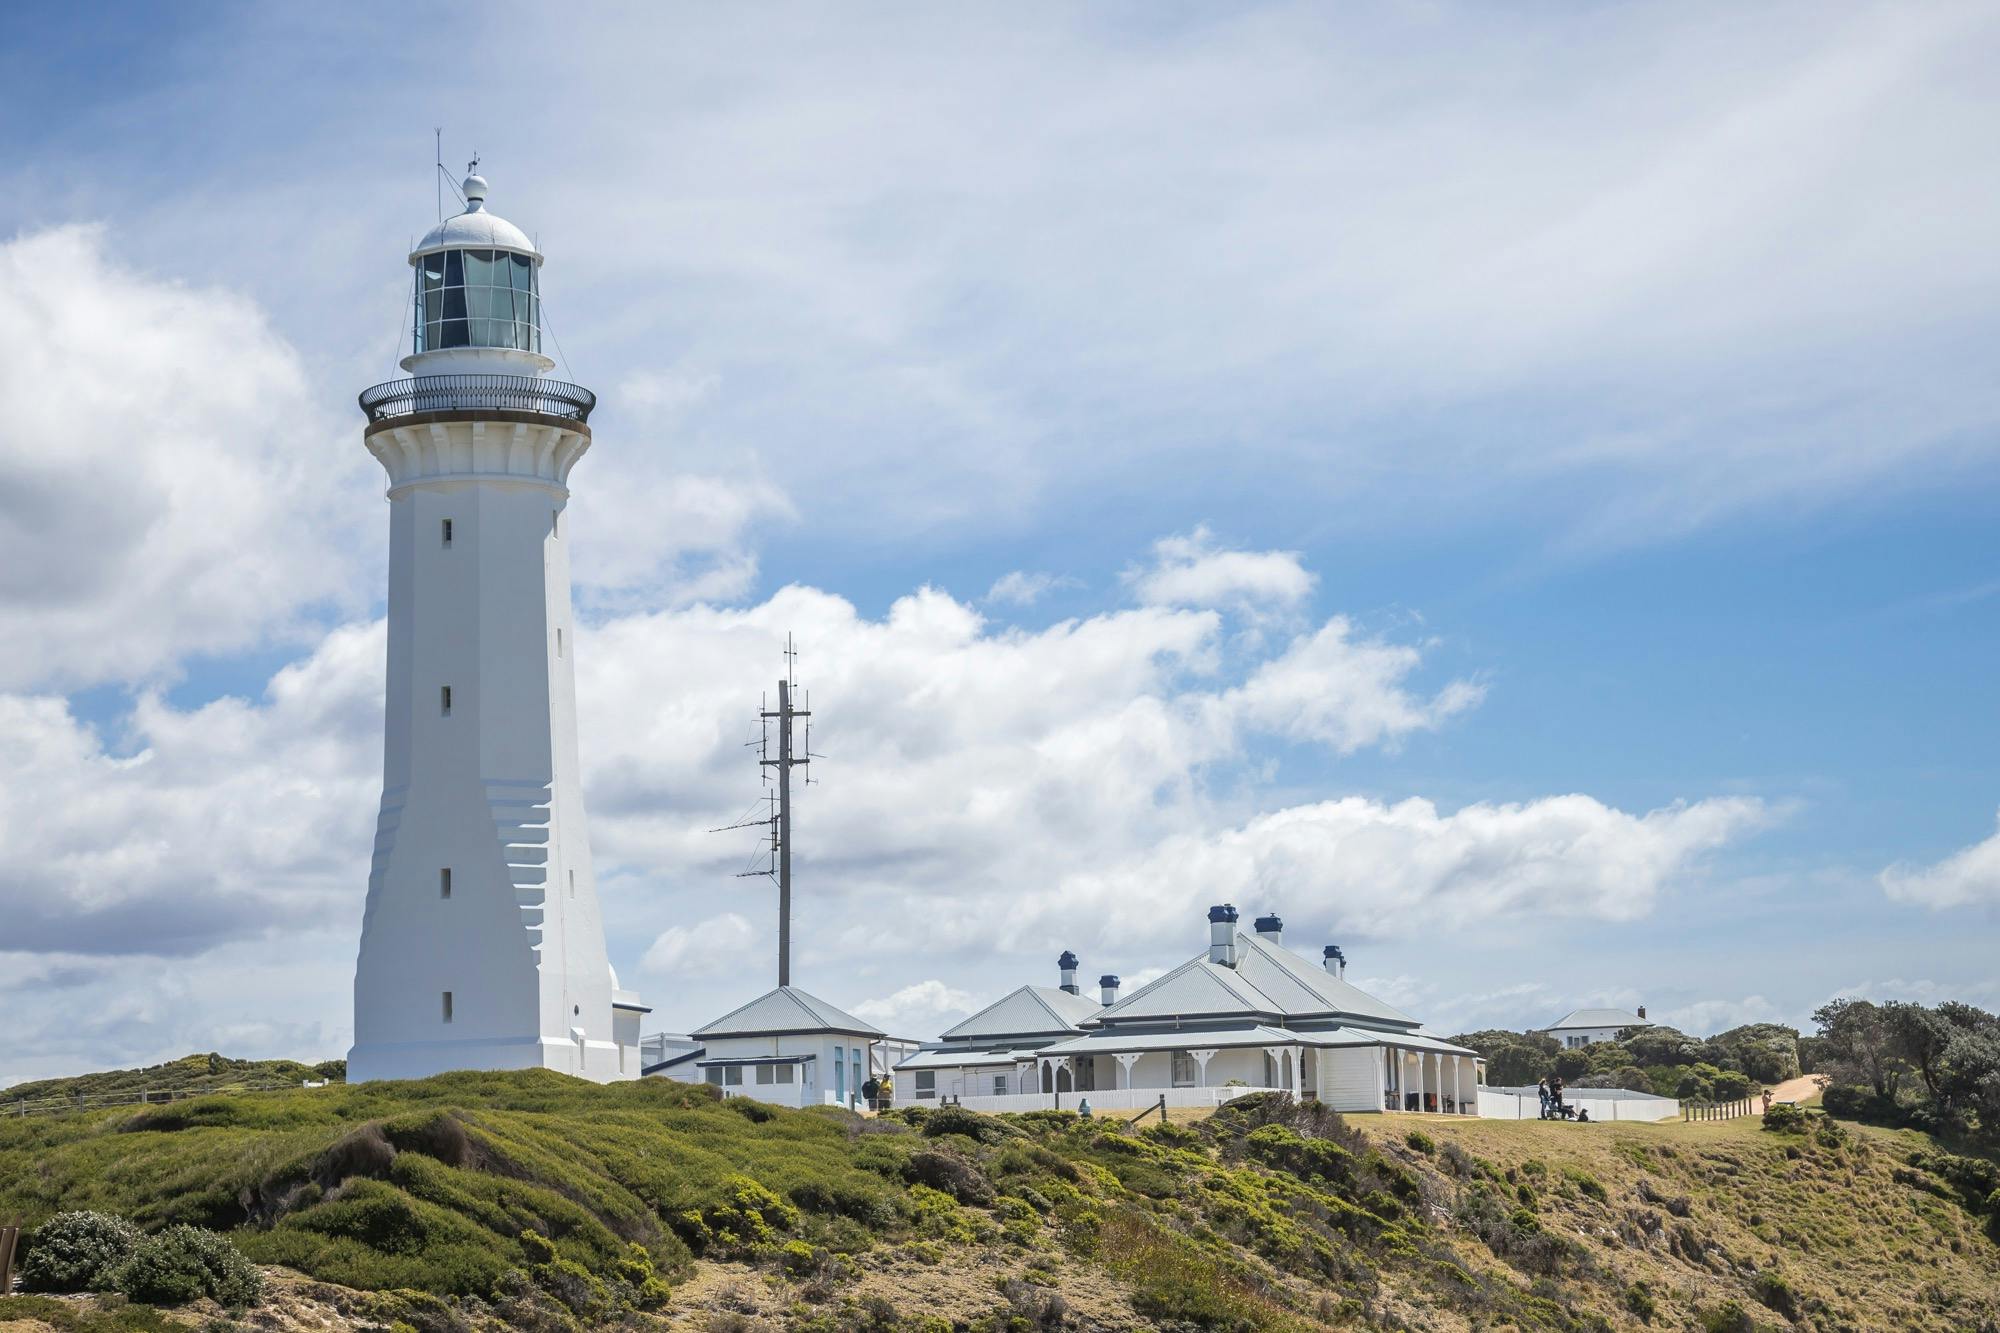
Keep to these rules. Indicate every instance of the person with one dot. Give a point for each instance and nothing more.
(1083, 1108)
(1556, 1093)
(1542, 1093)
(1583, 1115)
(871, 1091)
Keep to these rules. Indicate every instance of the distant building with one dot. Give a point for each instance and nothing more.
(992, 1053)
(1584, 1026)
(787, 1047)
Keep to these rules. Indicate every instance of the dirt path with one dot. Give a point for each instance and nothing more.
(1798, 1089)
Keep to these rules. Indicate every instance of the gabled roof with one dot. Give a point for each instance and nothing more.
(1268, 981)
(786, 1009)
(1031, 1011)
(1598, 1018)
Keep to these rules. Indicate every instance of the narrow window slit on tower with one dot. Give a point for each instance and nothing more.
(447, 1006)
(572, 884)
(447, 532)
(444, 698)
(559, 641)
(444, 882)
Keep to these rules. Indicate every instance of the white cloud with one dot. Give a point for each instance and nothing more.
(1191, 570)
(1021, 588)
(719, 945)
(1971, 875)
(168, 485)
(922, 1009)
(1327, 687)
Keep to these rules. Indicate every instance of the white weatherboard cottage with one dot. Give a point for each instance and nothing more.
(992, 1053)
(787, 1047)
(1582, 1027)
(481, 944)
(1249, 1015)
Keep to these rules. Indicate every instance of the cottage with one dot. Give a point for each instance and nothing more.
(1250, 1014)
(1584, 1026)
(787, 1047)
(992, 1053)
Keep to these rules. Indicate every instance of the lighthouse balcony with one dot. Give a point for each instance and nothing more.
(443, 397)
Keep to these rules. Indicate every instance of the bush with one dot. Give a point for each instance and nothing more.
(1786, 1119)
(1728, 1317)
(183, 1263)
(1421, 1141)
(1777, 1293)
(949, 1172)
(77, 1252)
(1639, 1300)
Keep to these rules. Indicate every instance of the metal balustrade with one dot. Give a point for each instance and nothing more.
(478, 393)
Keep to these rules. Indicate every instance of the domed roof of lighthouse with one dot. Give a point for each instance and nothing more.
(475, 228)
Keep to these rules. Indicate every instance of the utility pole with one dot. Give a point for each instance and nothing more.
(793, 752)
(781, 832)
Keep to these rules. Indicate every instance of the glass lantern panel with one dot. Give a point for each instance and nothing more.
(454, 269)
(479, 268)
(524, 273)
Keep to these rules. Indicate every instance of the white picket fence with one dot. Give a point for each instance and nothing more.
(1103, 1099)
(1497, 1105)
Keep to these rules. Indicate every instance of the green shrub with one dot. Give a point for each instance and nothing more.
(183, 1263)
(1639, 1300)
(1777, 1293)
(77, 1252)
(1787, 1119)
(1728, 1317)
(1421, 1141)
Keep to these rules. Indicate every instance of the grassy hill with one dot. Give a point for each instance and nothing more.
(530, 1200)
(189, 1074)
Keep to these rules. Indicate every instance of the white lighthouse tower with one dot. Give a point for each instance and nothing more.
(481, 944)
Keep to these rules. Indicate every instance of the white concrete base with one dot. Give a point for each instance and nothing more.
(595, 1060)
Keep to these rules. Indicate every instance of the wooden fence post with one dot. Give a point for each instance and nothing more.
(10, 1237)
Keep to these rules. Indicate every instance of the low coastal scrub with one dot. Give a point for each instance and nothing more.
(531, 1200)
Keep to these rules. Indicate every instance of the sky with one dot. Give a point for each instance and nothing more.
(1508, 489)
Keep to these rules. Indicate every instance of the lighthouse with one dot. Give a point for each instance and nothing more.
(481, 943)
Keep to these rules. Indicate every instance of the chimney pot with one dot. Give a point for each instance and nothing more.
(1334, 959)
(1068, 964)
(1272, 928)
(1642, 1011)
(1222, 935)
(1107, 988)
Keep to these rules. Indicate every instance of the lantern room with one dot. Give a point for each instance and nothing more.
(477, 297)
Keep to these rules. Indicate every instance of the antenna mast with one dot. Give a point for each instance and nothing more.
(788, 758)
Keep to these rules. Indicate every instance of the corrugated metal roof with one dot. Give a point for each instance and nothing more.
(1104, 1043)
(1250, 1034)
(1267, 981)
(1598, 1018)
(957, 1059)
(1031, 1011)
(786, 1009)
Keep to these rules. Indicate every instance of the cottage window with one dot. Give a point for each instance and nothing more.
(999, 1085)
(715, 1077)
(784, 1073)
(733, 1076)
(926, 1083)
(1183, 1071)
(765, 1074)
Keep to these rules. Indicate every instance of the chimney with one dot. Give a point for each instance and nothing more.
(1335, 960)
(1271, 928)
(1107, 989)
(1642, 1011)
(1222, 935)
(1068, 965)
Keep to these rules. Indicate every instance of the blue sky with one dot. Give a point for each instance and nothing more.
(1578, 421)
